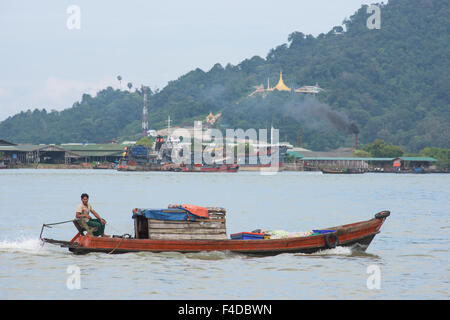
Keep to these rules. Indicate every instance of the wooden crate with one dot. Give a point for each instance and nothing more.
(213, 228)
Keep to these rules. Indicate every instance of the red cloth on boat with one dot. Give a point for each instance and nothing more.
(196, 210)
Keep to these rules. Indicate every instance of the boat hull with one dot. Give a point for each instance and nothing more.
(223, 168)
(358, 234)
(347, 171)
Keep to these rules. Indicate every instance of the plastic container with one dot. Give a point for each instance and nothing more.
(323, 231)
(247, 236)
(139, 152)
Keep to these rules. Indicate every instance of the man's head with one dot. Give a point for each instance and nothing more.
(85, 198)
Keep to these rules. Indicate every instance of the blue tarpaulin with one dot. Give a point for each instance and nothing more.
(171, 214)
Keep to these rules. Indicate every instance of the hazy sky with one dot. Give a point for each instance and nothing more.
(44, 64)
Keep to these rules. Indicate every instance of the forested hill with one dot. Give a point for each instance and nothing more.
(394, 83)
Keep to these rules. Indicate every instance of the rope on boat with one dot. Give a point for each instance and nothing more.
(118, 245)
(48, 225)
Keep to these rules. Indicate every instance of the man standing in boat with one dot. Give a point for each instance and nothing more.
(83, 211)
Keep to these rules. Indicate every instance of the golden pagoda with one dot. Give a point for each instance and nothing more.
(280, 85)
(211, 119)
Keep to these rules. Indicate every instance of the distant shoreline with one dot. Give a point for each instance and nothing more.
(85, 166)
(53, 166)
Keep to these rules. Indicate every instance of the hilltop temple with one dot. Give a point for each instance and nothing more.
(281, 86)
(211, 119)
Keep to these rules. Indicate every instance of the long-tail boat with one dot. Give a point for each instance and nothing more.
(210, 168)
(356, 235)
(343, 171)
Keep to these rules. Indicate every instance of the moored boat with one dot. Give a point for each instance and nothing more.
(102, 166)
(359, 235)
(210, 168)
(343, 171)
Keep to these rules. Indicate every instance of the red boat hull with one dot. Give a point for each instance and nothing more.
(357, 234)
(223, 168)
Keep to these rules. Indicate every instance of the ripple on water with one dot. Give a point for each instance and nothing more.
(291, 201)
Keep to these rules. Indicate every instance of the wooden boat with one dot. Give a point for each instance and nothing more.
(358, 235)
(102, 166)
(342, 171)
(210, 168)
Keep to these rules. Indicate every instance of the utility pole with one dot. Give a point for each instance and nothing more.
(144, 113)
(168, 128)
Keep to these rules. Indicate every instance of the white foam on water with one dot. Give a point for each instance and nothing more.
(339, 251)
(344, 251)
(32, 245)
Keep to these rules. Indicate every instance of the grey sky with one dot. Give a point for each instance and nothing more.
(43, 64)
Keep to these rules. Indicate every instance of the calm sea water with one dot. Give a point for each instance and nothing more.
(411, 253)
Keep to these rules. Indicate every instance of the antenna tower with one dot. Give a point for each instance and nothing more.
(144, 114)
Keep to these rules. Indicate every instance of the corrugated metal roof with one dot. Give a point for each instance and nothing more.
(294, 153)
(347, 158)
(97, 153)
(6, 143)
(425, 159)
(25, 148)
(91, 151)
(95, 150)
(94, 147)
(417, 159)
(323, 158)
(324, 154)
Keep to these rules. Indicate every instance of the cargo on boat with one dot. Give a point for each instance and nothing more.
(179, 223)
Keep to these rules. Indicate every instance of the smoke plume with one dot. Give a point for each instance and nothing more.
(316, 115)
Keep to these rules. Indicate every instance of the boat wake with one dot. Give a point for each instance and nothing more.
(343, 251)
(28, 245)
(338, 251)
(211, 255)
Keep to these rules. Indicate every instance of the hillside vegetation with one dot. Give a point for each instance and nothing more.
(393, 83)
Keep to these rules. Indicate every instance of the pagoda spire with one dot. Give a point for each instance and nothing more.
(280, 85)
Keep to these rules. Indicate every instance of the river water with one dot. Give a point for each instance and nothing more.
(409, 259)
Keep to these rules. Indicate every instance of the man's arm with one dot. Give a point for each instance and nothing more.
(97, 216)
(79, 215)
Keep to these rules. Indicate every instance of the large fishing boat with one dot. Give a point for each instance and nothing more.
(189, 229)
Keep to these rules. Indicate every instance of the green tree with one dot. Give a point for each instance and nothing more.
(361, 154)
(442, 155)
(145, 141)
(380, 149)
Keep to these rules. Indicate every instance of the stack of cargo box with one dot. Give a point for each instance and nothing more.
(212, 228)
